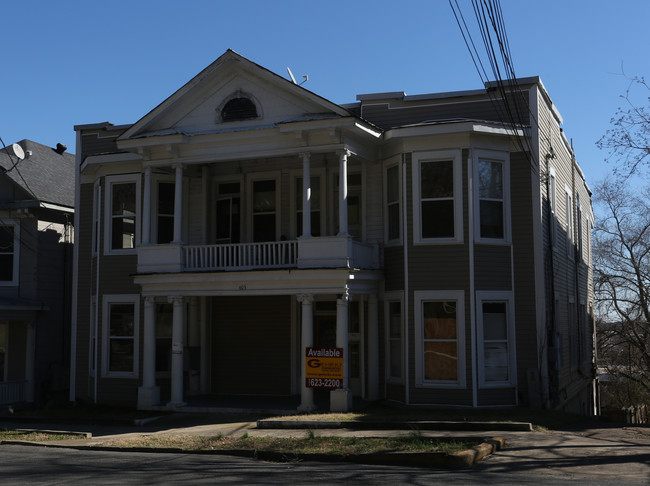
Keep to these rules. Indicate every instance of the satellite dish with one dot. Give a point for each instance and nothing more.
(18, 151)
(293, 80)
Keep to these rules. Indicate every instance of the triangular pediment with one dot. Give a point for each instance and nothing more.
(262, 99)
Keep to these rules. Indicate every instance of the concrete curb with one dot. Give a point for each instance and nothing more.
(417, 425)
(459, 460)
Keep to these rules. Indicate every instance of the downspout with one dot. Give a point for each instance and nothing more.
(96, 317)
(75, 279)
(407, 381)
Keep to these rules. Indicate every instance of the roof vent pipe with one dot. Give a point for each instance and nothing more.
(60, 148)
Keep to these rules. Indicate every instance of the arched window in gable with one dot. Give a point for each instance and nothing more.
(240, 108)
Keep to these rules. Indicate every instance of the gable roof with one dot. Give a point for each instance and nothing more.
(45, 175)
(211, 75)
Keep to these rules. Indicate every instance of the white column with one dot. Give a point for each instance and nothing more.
(205, 347)
(194, 339)
(373, 348)
(149, 393)
(341, 399)
(306, 195)
(146, 208)
(177, 353)
(178, 203)
(306, 394)
(29, 362)
(343, 192)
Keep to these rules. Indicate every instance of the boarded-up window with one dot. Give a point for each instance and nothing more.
(495, 342)
(440, 340)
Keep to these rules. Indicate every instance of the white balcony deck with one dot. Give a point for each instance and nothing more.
(320, 252)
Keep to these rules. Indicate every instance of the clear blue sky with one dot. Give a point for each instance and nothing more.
(67, 63)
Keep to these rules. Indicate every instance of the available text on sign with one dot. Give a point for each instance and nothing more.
(324, 367)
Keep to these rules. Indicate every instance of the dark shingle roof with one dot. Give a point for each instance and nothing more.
(46, 175)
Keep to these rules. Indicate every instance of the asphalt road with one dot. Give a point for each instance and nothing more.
(42, 465)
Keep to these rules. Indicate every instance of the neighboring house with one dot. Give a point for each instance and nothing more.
(36, 216)
(246, 218)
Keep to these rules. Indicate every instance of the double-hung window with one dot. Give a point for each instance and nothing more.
(265, 209)
(122, 210)
(440, 338)
(393, 199)
(165, 194)
(437, 197)
(121, 317)
(9, 252)
(492, 205)
(228, 212)
(496, 338)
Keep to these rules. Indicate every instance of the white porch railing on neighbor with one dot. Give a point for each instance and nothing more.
(243, 256)
(12, 392)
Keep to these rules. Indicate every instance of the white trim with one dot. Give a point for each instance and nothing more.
(107, 300)
(15, 277)
(506, 297)
(438, 156)
(392, 162)
(108, 220)
(390, 297)
(419, 298)
(504, 159)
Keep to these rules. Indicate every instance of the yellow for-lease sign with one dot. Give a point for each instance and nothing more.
(324, 367)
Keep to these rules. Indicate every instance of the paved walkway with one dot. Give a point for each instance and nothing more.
(606, 452)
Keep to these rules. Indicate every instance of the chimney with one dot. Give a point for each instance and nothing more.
(60, 148)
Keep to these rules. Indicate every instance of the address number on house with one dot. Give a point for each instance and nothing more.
(324, 367)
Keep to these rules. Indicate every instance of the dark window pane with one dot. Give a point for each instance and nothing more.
(438, 219)
(491, 219)
(6, 268)
(166, 198)
(238, 109)
(165, 229)
(263, 196)
(229, 188)
(395, 310)
(121, 355)
(124, 199)
(392, 184)
(6, 239)
(437, 179)
(122, 318)
(123, 233)
(490, 176)
(395, 358)
(264, 227)
(393, 222)
(223, 219)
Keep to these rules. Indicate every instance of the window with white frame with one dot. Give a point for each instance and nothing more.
(9, 252)
(122, 210)
(496, 338)
(393, 314)
(265, 208)
(165, 195)
(491, 175)
(121, 317)
(228, 212)
(393, 206)
(437, 197)
(440, 338)
(568, 201)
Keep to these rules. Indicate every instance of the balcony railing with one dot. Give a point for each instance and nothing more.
(12, 392)
(244, 256)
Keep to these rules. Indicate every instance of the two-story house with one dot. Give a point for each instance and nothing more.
(36, 216)
(246, 219)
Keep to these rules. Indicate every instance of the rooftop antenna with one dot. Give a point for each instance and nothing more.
(293, 80)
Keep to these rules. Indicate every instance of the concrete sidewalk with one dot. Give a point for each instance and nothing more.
(600, 451)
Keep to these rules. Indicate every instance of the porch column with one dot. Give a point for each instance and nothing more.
(205, 347)
(306, 195)
(146, 208)
(341, 399)
(149, 393)
(343, 192)
(195, 343)
(373, 348)
(178, 203)
(306, 394)
(177, 353)
(29, 362)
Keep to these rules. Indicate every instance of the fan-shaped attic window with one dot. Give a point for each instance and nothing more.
(238, 109)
